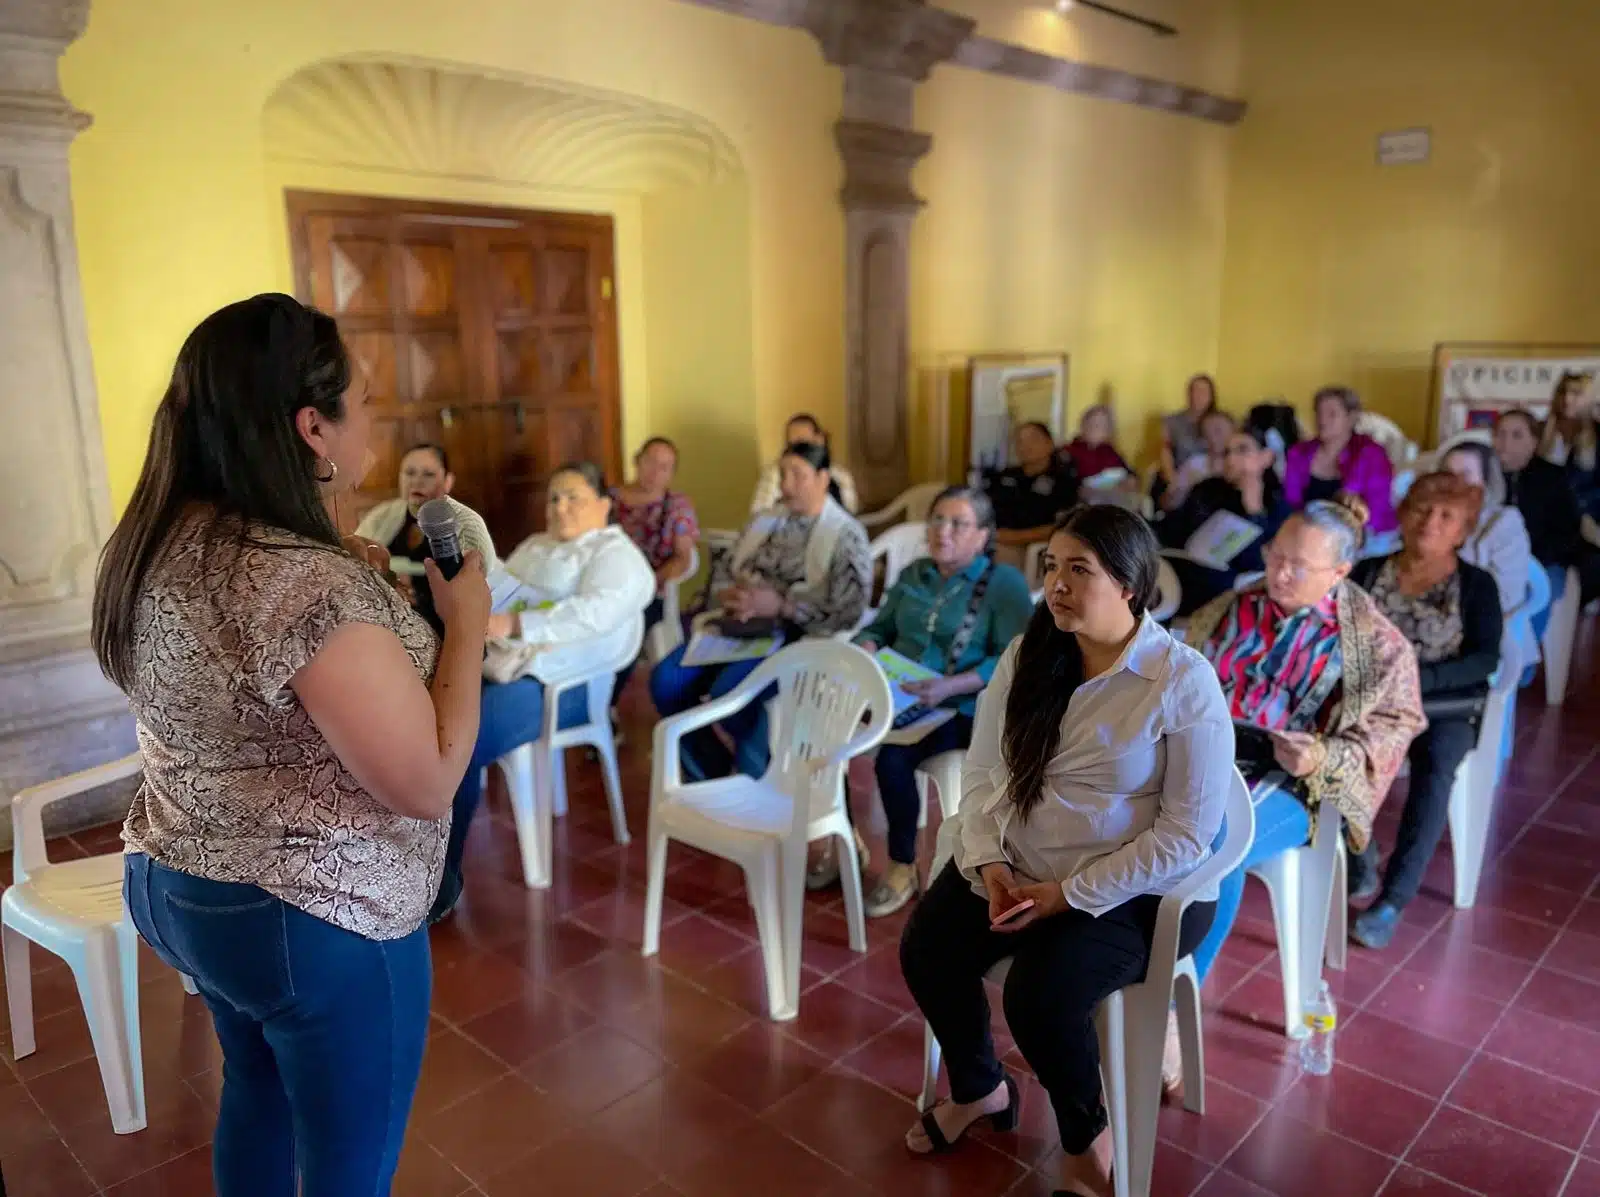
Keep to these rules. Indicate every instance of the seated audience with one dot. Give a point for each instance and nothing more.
(1542, 492)
(1340, 458)
(424, 475)
(1097, 780)
(1279, 427)
(1092, 451)
(564, 596)
(803, 569)
(804, 429)
(1499, 543)
(1216, 428)
(954, 611)
(1249, 488)
(1030, 496)
(1450, 612)
(1310, 659)
(1181, 436)
(1570, 436)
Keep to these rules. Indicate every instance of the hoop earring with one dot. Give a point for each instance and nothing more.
(333, 471)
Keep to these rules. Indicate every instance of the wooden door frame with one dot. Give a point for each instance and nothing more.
(301, 205)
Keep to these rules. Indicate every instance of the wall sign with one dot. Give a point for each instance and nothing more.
(1404, 147)
(1474, 382)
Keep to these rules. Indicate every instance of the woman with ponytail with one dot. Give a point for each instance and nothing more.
(1096, 781)
(303, 732)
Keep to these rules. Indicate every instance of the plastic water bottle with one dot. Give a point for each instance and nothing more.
(1316, 1049)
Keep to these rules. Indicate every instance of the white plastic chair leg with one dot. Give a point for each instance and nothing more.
(606, 748)
(1191, 1041)
(19, 990)
(855, 907)
(762, 880)
(1111, 1024)
(106, 970)
(556, 762)
(931, 1055)
(923, 782)
(1339, 912)
(1282, 877)
(1470, 799)
(654, 888)
(530, 809)
(1144, 1020)
(792, 898)
(189, 987)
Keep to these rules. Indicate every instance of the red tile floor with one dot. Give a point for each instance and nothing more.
(562, 1062)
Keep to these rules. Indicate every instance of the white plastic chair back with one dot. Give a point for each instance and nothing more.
(1132, 1023)
(75, 910)
(912, 505)
(1033, 563)
(668, 634)
(1401, 449)
(898, 548)
(535, 772)
(1169, 593)
(1560, 636)
(942, 771)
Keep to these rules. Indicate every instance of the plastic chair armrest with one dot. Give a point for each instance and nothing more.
(27, 809)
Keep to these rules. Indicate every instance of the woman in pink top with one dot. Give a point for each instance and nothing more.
(1340, 458)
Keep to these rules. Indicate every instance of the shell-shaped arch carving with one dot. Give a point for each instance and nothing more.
(440, 119)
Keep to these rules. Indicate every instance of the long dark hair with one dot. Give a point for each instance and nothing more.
(818, 457)
(1049, 663)
(224, 437)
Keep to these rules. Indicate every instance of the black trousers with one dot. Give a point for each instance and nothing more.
(1062, 967)
(1435, 756)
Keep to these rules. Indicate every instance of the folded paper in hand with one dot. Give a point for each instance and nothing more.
(1221, 538)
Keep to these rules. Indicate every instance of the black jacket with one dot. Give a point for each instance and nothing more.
(1466, 674)
(1543, 492)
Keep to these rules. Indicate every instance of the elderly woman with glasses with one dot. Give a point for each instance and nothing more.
(1323, 691)
(952, 612)
(1450, 612)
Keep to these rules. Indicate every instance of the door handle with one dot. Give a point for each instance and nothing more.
(447, 417)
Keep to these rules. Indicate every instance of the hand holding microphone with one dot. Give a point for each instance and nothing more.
(457, 586)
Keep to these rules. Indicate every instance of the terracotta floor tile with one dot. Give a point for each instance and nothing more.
(1400, 1053)
(486, 1133)
(593, 1069)
(1231, 1114)
(683, 1023)
(1529, 1101)
(1585, 1179)
(46, 1169)
(759, 1066)
(1435, 1005)
(1559, 1049)
(576, 1162)
(762, 1161)
(1485, 1155)
(1360, 1106)
(189, 1174)
(1475, 970)
(475, 985)
(672, 1123)
(1563, 998)
(835, 1020)
(452, 1068)
(1577, 955)
(425, 1173)
(1413, 1182)
(176, 1126)
(533, 1021)
(1282, 1152)
(1224, 1183)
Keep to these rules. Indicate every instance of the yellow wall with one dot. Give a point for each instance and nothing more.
(1054, 222)
(1340, 270)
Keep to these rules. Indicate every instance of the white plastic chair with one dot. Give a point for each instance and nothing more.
(75, 910)
(911, 505)
(1169, 593)
(1401, 449)
(1472, 792)
(1309, 890)
(536, 773)
(1033, 562)
(1132, 1023)
(668, 634)
(896, 548)
(825, 688)
(1560, 636)
(1519, 637)
(943, 773)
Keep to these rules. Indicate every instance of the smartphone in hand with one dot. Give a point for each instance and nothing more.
(1007, 915)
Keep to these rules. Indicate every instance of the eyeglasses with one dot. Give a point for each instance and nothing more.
(1276, 559)
(940, 522)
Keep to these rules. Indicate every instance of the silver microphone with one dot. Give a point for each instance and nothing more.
(437, 520)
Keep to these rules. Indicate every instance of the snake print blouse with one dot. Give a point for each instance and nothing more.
(239, 785)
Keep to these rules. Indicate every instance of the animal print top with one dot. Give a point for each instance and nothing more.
(239, 785)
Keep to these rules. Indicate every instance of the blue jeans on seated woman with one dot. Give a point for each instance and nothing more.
(322, 1031)
(511, 715)
(676, 687)
(1282, 822)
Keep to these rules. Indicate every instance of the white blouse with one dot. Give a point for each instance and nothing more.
(1500, 545)
(1137, 789)
(573, 591)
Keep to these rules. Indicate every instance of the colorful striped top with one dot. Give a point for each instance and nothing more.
(1278, 669)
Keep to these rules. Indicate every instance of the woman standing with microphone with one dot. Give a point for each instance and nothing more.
(303, 731)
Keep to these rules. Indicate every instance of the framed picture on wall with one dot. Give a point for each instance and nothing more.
(1008, 389)
(1474, 381)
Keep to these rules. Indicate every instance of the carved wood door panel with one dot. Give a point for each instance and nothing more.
(489, 331)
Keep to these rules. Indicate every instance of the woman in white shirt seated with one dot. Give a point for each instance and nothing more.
(1096, 780)
(424, 475)
(564, 595)
(803, 569)
(1499, 544)
(803, 429)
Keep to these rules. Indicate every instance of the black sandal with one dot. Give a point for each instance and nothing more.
(1002, 1121)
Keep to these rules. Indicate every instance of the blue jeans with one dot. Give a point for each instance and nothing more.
(1282, 822)
(511, 715)
(896, 769)
(322, 1032)
(676, 687)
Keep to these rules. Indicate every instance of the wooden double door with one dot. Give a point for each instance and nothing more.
(489, 331)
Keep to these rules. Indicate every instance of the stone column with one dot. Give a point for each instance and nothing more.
(884, 48)
(57, 713)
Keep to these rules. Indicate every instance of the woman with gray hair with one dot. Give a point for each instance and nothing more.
(1499, 542)
(953, 612)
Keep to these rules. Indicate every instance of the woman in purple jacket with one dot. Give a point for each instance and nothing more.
(1340, 458)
